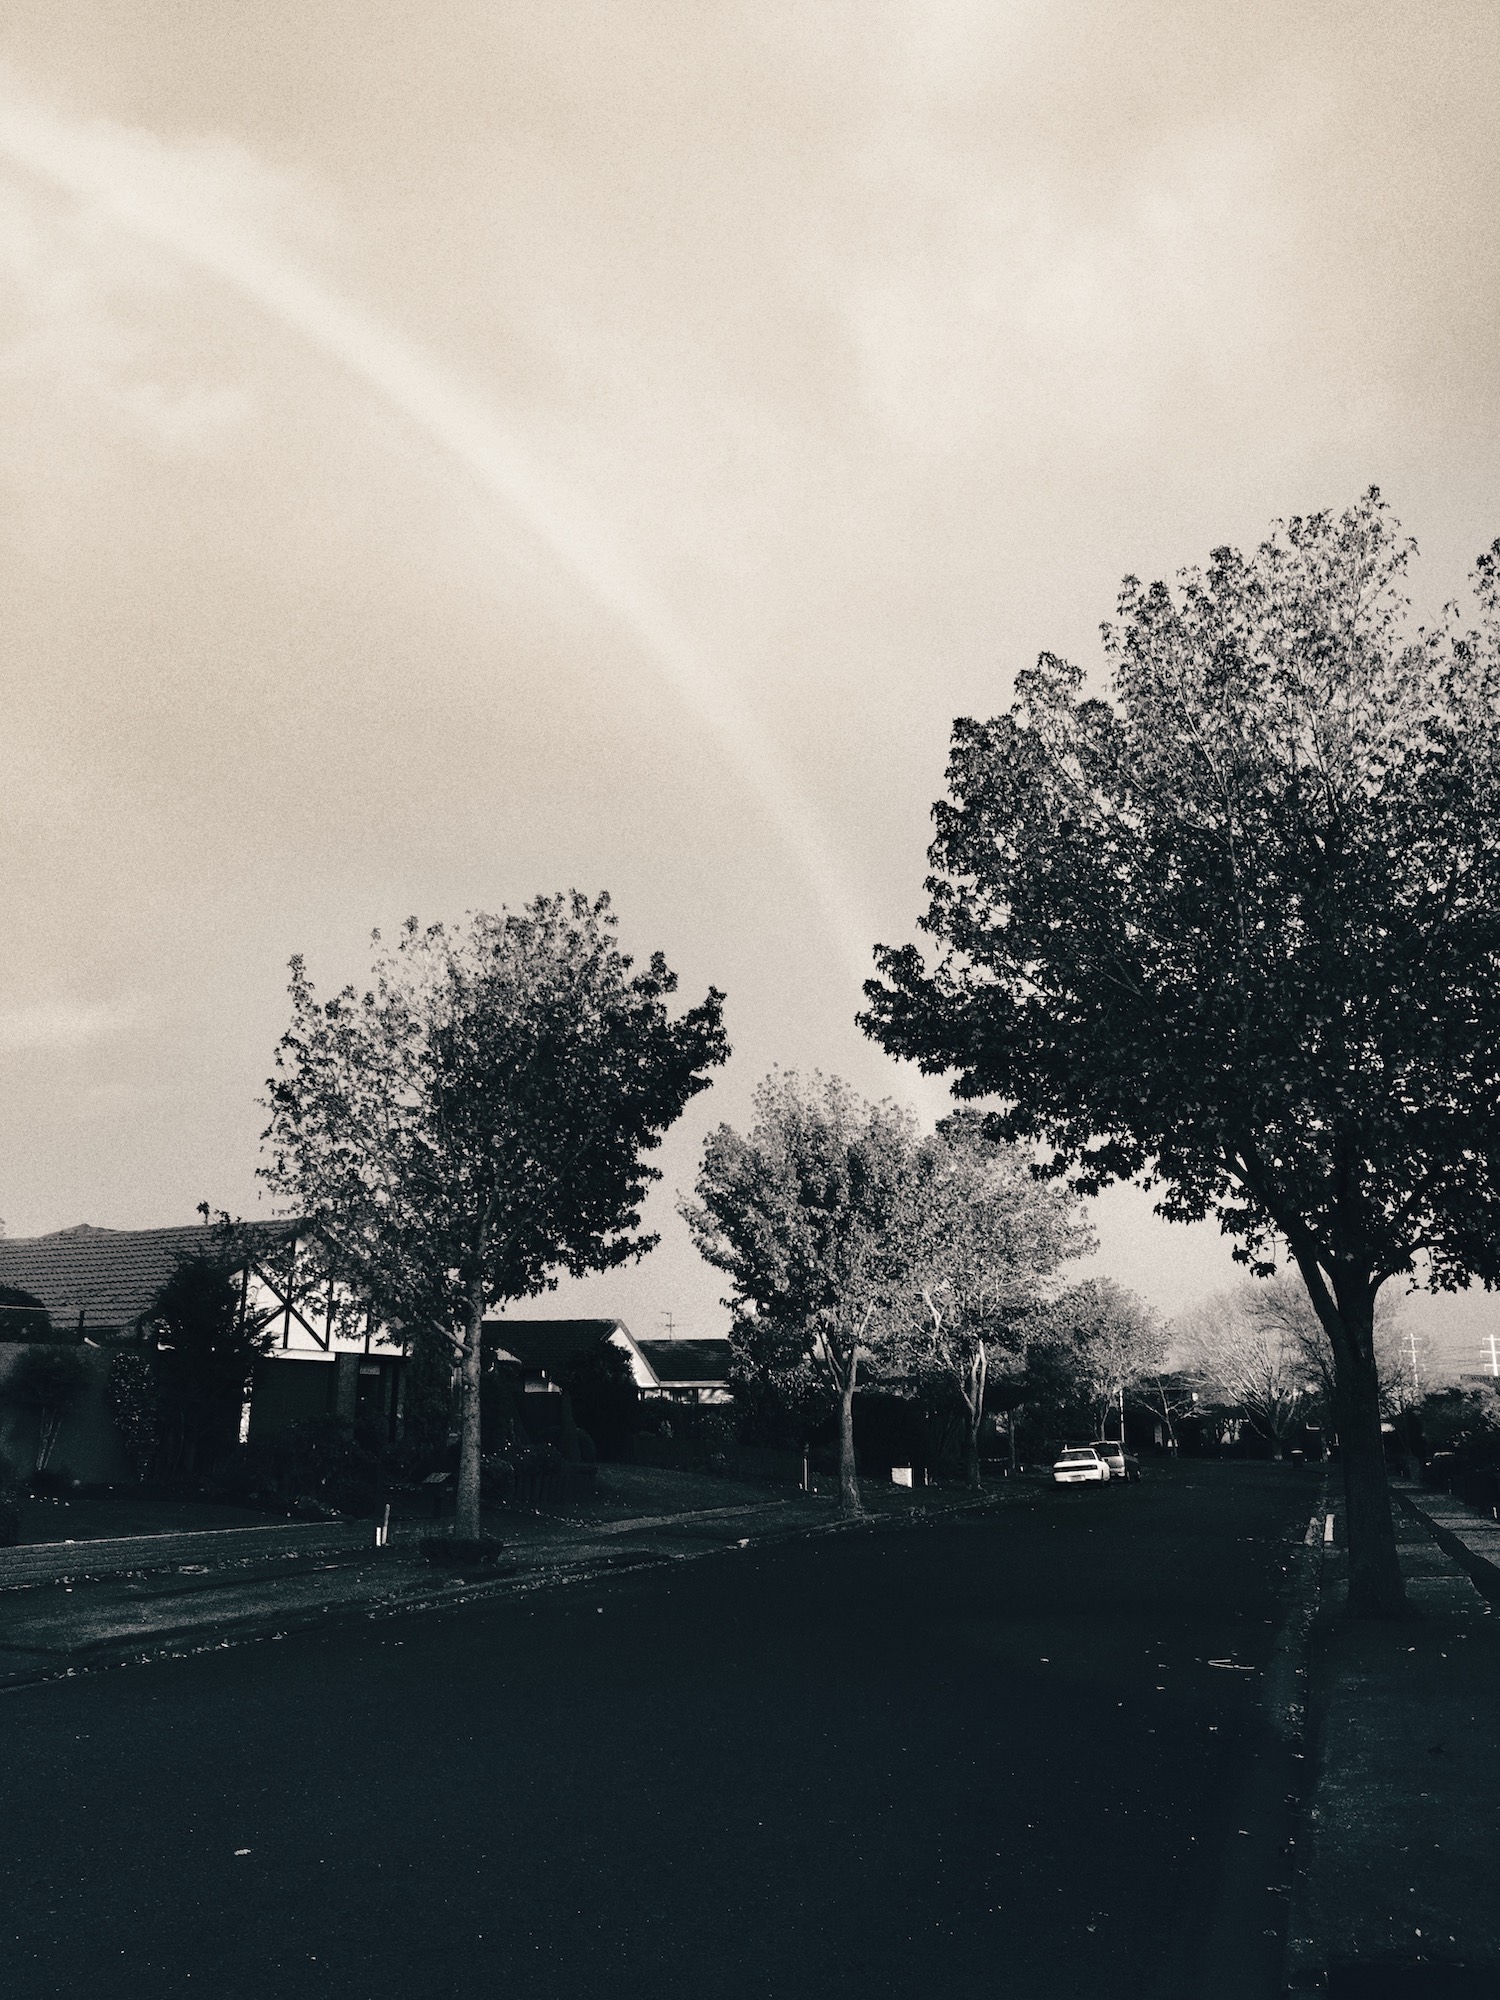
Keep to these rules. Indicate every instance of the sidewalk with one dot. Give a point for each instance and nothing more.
(1396, 1850)
(211, 1597)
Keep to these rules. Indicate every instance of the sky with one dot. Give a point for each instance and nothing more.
(458, 452)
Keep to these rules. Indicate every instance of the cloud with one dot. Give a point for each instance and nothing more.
(191, 204)
(54, 1025)
(85, 321)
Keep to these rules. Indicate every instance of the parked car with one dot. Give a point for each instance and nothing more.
(1080, 1463)
(1122, 1464)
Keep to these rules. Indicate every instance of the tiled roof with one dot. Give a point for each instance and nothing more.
(687, 1363)
(108, 1275)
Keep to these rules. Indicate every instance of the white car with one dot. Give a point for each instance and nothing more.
(1078, 1464)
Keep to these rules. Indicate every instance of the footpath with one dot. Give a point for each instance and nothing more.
(71, 1607)
(1395, 1889)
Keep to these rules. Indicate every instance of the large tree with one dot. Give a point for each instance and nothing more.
(1234, 931)
(987, 1237)
(478, 1120)
(810, 1217)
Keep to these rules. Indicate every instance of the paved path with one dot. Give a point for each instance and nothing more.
(1396, 1888)
(1019, 1753)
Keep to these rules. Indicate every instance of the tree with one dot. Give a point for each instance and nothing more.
(606, 1402)
(987, 1236)
(1111, 1342)
(48, 1380)
(1167, 1397)
(810, 1217)
(131, 1394)
(23, 1317)
(477, 1121)
(204, 1347)
(1280, 1305)
(1251, 1357)
(1235, 932)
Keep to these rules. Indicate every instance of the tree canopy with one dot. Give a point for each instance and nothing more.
(203, 1353)
(987, 1236)
(810, 1217)
(480, 1118)
(1234, 930)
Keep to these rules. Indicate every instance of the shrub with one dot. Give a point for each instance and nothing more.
(132, 1397)
(601, 1389)
(497, 1477)
(205, 1353)
(23, 1317)
(48, 1380)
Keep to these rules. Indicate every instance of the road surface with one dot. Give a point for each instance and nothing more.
(987, 1755)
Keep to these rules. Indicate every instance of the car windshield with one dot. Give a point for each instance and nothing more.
(1075, 1457)
(1109, 1450)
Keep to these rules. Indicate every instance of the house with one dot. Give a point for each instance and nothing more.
(683, 1371)
(91, 1286)
(542, 1348)
(689, 1371)
(323, 1358)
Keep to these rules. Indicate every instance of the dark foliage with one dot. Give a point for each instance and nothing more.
(605, 1401)
(23, 1317)
(49, 1381)
(203, 1354)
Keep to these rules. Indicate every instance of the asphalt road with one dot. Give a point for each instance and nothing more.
(985, 1755)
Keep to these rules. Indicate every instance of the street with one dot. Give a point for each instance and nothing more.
(987, 1754)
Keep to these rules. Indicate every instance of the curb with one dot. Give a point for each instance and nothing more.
(1299, 1973)
(260, 1628)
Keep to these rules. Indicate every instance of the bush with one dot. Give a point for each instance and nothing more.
(604, 1399)
(48, 1380)
(22, 1316)
(325, 1463)
(133, 1399)
(497, 1478)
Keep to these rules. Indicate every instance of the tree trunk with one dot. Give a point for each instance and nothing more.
(1375, 1586)
(974, 1408)
(51, 1425)
(850, 1503)
(466, 1514)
